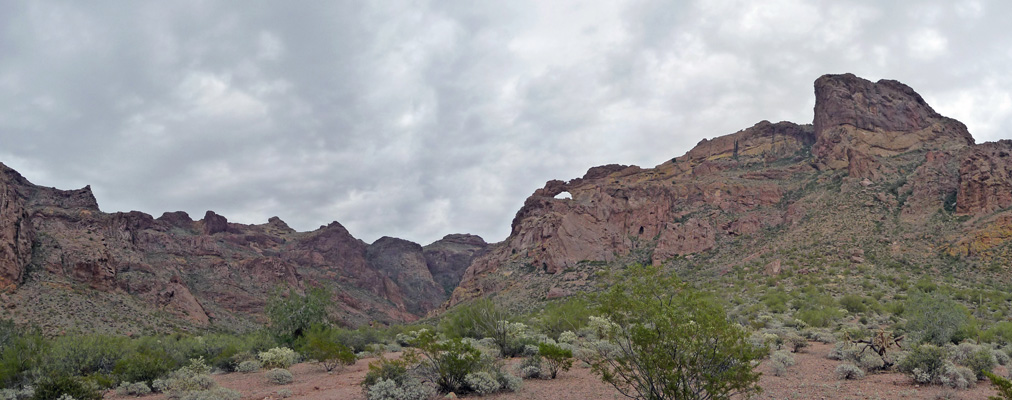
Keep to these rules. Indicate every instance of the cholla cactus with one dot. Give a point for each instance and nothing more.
(567, 337)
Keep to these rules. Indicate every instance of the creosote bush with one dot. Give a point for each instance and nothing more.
(321, 344)
(556, 358)
(673, 341)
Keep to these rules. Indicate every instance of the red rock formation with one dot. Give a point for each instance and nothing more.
(449, 257)
(985, 178)
(857, 120)
(15, 230)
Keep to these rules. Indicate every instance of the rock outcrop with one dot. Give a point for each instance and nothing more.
(879, 142)
(210, 271)
(449, 257)
(857, 120)
(985, 178)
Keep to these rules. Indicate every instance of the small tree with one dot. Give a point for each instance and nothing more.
(672, 341)
(556, 358)
(291, 315)
(323, 346)
(934, 317)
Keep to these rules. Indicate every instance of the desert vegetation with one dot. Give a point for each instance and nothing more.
(646, 332)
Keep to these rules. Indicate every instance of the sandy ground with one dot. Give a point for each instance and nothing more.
(812, 377)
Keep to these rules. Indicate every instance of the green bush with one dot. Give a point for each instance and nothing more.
(569, 315)
(20, 355)
(409, 389)
(1002, 385)
(934, 317)
(556, 358)
(55, 387)
(675, 341)
(1000, 333)
(924, 363)
(853, 303)
(291, 315)
(388, 370)
(249, 366)
(447, 362)
(322, 345)
(84, 355)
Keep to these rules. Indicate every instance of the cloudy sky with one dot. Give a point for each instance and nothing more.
(416, 119)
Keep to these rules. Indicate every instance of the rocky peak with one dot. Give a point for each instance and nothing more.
(179, 219)
(857, 120)
(449, 257)
(214, 223)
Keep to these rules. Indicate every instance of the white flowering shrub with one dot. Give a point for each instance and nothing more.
(567, 337)
(278, 357)
(388, 389)
(482, 382)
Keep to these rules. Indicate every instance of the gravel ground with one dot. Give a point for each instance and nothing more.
(812, 377)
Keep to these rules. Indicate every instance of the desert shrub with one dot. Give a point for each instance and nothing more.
(291, 315)
(853, 303)
(569, 315)
(568, 337)
(447, 362)
(387, 370)
(815, 308)
(55, 387)
(84, 355)
(482, 382)
(279, 376)
(190, 382)
(321, 345)
(776, 301)
(133, 389)
(779, 361)
(1002, 385)
(21, 353)
(17, 394)
(934, 317)
(359, 340)
(249, 366)
(530, 367)
(796, 343)
(509, 382)
(672, 339)
(216, 393)
(848, 371)
(409, 389)
(924, 363)
(927, 363)
(1001, 357)
(285, 393)
(1000, 332)
(278, 357)
(556, 358)
(144, 364)
(466, 320)
(978, 359)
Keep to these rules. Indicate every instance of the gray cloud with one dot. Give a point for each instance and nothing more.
(417, 119)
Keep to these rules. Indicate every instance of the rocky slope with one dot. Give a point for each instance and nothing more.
(878, 178)
(68, 266)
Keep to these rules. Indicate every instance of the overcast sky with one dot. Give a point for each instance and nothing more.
(416, 119)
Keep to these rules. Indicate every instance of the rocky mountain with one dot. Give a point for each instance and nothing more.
(67, 266)
(879, 178)
(879, 181)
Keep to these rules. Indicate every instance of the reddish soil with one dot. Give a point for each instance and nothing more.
(812, 377)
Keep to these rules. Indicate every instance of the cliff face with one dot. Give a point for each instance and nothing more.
(60, 254)
(875, 150)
